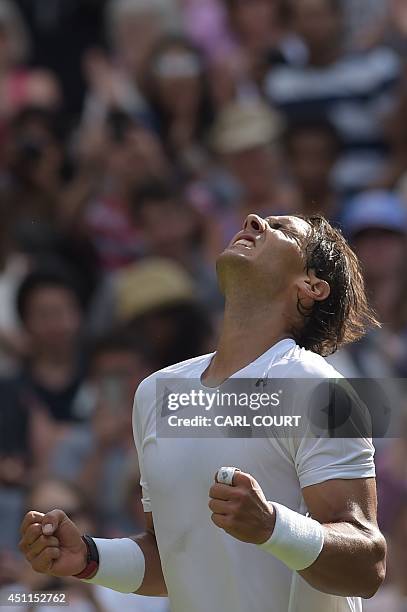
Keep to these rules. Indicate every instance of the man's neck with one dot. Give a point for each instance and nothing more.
(53, 371)
(248, 331)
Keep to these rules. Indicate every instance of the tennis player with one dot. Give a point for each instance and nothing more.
(287, 525)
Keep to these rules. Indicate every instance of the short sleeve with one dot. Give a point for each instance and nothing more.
(337, 444)
(138, 440)
(320, 459)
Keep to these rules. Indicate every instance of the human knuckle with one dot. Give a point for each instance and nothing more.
(39, 566)
(34, 530)
(46, 555)
(235, 509)
(40, 543)
(240, 499)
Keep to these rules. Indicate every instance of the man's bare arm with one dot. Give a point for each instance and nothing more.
(53, 545)
(352, 561)
(153, 582)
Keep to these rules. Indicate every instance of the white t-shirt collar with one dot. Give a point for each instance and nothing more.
(269, 357)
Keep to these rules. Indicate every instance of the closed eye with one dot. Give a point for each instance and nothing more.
(281, 227)
(276, 226)
(287, 230)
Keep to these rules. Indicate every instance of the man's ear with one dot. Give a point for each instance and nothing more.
(312, 289)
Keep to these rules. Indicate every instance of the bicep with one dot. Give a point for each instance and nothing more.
(343, 500)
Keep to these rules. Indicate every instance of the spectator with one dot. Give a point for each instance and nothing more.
(205, 24)
(361, 18)
(49, 307)
(355, 91)
(245, 139)
(61, 34)
(21, 86)
(133, 28)
(376, 223)
(262, 38)
(312, 147)
(181, 238)
(13, 268)
(36, 194)
(36, 158)
(183, 121)
(99, 453)
(157, 300)
(390, 30)
(124, 155)
(394, 172)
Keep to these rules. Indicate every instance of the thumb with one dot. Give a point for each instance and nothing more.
(226, 475)
(51, 521)
(243, 480)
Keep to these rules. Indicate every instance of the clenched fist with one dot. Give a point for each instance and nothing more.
(242, 509)
(52, 544)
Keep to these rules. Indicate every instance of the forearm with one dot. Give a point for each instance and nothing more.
(153, 583)
(352, 561)
(76, 196)
(128, 565)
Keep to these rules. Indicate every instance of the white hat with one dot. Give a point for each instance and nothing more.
(245, 125)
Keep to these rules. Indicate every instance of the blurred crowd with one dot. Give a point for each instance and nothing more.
(135, 136)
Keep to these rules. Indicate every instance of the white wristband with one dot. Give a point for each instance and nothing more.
(121, 565)
(296, 540)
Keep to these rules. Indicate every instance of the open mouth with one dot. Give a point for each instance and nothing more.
(246, 241)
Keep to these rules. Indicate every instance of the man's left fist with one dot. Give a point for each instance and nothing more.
(242, 509)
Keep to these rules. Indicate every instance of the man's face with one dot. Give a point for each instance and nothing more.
(318, 23)
(53, 319)
(253, 19)
(254, 169)
(312, 156)
(381, 252)
(116, 373)
(268, 252)
(165, 239)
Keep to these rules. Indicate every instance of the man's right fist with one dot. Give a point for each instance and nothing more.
(52, 544)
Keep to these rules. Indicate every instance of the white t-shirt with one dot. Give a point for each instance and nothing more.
(206, 569)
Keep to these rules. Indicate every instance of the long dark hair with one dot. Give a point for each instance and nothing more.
(345, 315)
(205, 112)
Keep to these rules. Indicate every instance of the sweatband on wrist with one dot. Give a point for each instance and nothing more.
(296, 540)
(121, 565)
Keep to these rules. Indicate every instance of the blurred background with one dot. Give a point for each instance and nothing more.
(135, 136)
